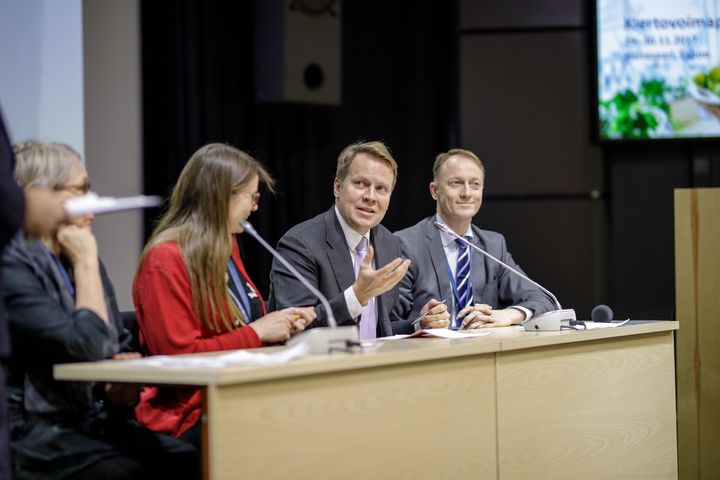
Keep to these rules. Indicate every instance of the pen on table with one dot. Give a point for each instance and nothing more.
(417, 320)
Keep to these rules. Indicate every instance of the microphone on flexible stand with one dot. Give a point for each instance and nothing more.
(545, 322)
(321, 339)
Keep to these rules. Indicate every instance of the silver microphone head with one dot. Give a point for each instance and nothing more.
(247, 226)
(442, 227)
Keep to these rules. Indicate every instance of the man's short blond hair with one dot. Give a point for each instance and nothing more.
(442, 158)
(375, 149)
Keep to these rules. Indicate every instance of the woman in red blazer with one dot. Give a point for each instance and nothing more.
(191, 290)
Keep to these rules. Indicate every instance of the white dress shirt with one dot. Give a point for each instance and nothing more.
(452, 252)
(353, 239)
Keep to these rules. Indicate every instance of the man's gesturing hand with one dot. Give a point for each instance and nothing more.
(371, 283)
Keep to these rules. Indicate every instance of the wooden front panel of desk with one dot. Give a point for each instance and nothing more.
(600, 410)
(432, 420)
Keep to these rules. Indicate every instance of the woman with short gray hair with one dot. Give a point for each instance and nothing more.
(61, 308)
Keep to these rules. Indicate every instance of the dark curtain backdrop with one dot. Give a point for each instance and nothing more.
(398, 85)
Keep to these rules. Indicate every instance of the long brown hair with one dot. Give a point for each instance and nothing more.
(197, 219)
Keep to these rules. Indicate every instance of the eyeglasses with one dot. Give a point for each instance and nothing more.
(254, 196)
(81, 189)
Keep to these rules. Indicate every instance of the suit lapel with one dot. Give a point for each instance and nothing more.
(339, 252)
(479, 268)
(381, 257)
(439, 261)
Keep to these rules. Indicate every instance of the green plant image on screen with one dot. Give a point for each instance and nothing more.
(658, 69)
(641, 113)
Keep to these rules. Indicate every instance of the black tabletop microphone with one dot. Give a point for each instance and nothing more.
(601, 313)
(545, 322)
(320, 339)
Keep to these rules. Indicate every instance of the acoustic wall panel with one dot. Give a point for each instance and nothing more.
(643, 178)
(486, 14)
(561, 244)
(524, 109)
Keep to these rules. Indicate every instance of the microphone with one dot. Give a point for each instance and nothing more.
(321, 339)
(545, 322)
(601, 313)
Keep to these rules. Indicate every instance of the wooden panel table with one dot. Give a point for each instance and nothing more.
(512, 404)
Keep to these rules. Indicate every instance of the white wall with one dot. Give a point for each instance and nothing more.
(113, 130)
(41, 82)
(71, 73)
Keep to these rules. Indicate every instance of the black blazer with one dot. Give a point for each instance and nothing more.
(12, 201)
(318, 250)
(12, 211)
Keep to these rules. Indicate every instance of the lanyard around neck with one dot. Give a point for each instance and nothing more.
(243, 302)
(64, 274)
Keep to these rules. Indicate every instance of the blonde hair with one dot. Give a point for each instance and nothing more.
(442, 158)
(46, 165)
(375, 149)
(197, 219)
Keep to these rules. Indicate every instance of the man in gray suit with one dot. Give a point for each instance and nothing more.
(346, 253)
(479, 292)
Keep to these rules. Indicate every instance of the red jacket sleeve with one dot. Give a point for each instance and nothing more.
(163, 303)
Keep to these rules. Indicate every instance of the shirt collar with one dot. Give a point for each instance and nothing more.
(448, 239)
(351, 236)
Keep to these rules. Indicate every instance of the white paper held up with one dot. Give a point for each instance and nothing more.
(92, 203)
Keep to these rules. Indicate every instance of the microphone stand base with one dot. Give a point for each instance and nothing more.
(324, 340)
(549, 321)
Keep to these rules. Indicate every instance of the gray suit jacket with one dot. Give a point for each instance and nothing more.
(318, 250)
(427, 277)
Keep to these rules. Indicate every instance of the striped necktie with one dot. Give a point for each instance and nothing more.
(463, 282)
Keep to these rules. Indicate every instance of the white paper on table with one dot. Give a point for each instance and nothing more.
(398, 336)
(231, 359)
(598, 325)
(92, 203)
(589, 325)
(440, 333)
